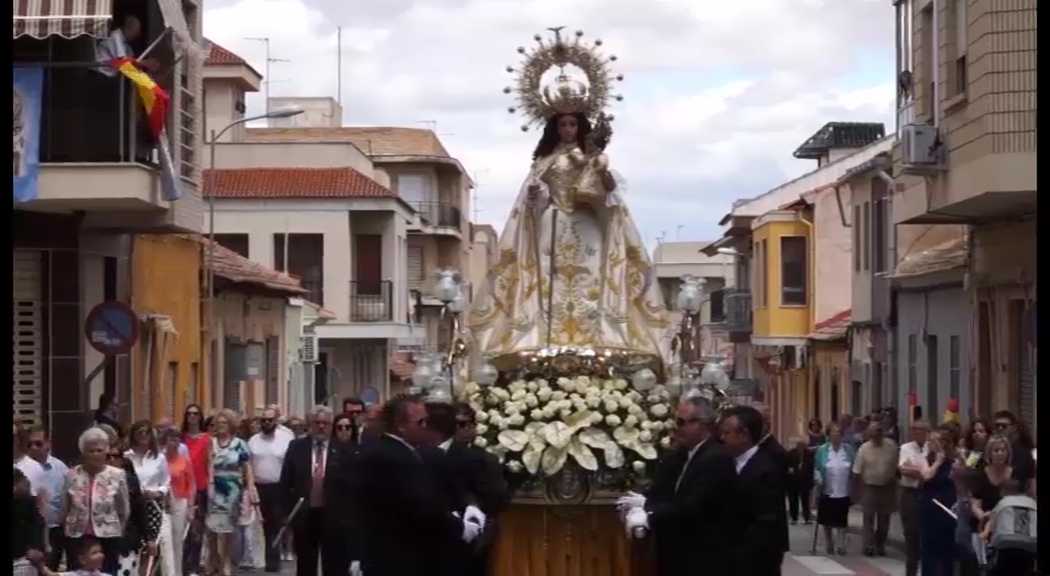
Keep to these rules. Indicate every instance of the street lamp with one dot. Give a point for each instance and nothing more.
(689, 301)
(729, 252)
(449, 291)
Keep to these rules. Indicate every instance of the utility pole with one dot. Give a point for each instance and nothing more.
(474, 194)
(339, 68)
(266, 70)
(678, 232)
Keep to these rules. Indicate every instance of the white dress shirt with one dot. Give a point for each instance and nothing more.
(33, 472)
(115, 46)
(445, 445)
(744, 458)
(54, 482)
(267, 453)
(913, 454)
(836, 473)
(152, 471)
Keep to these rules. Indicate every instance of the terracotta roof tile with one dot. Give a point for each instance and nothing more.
(833, 328)
(233, 267)
(219, 56)
(292, 183)
(374, 141)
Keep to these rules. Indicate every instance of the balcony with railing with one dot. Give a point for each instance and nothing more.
(439, 216)
(95, 150)
(371, 301)
(738, 317)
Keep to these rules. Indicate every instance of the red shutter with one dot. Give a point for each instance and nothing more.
(368, 263)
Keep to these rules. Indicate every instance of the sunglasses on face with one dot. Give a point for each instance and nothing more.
(464, 423)
(193, 413)
(343, 427)
(266, 421)
(681, 422)
(1002, 426)
(37, 444)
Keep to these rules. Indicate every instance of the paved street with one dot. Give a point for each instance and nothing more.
(802, 562)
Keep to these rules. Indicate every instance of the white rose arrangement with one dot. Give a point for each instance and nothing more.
(535, 427)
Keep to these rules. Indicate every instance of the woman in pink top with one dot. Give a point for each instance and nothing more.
(198, 444)
(183, 492)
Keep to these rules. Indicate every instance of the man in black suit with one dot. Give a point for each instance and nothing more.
(690, 502)
(761, 539)
(776, 451)
(318, 472)
(405, 516)
(485, 483)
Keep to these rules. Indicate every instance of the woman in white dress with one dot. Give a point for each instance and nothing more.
(151, 467)
(831, 472)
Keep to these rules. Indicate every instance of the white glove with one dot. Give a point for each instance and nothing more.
(636, 518)
(629, 501)
(472, 514)
(470, 531)
(355, 569)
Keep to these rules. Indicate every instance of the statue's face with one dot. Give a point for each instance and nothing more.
(567, 128)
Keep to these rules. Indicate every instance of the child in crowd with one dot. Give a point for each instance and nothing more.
(91, 559)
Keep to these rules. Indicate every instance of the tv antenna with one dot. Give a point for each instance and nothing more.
(269, 60)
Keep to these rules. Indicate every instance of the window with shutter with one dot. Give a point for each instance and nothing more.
(273, 369)
(416, 276)
(412, 188)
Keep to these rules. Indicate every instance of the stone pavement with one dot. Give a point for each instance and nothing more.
(896, 536)
(801, 561)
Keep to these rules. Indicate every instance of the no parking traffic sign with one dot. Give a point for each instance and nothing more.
(112, 328)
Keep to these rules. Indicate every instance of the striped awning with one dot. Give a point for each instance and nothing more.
(65, 18)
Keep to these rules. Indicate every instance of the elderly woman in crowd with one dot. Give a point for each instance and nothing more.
(97, 502)
(231, 476)
(832, 464)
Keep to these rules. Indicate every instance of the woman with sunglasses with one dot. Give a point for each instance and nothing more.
(151, 467)
(343, 430)
(230, 476)
(198, 443)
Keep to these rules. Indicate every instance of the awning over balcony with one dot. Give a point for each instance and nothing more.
(65, 18)
(946, 256)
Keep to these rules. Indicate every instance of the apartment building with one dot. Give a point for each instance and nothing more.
(673, 260)
(965, 175)
(88, 177)
(788, 316)
(416, 166)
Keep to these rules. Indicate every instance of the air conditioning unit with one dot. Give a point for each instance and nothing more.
(921, 146)
(308, 352)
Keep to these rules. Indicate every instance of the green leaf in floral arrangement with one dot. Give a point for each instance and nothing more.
(625, 436)
(513, 440)
(582, 454)
(557, 434)
(614, 457)
(553, 460)
(596, 438)
(531, 458)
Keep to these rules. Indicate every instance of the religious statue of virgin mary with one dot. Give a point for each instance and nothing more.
(572, 272)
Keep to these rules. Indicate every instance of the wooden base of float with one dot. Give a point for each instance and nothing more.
(567, 540)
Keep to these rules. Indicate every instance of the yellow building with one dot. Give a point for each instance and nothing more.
(781, 301)
(166, 293)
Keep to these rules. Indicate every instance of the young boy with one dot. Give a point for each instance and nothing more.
(1011, 532)
(89, 554)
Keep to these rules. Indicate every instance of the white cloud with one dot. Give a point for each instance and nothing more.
(729, 90)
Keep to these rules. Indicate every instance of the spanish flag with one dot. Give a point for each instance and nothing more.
(154, 99)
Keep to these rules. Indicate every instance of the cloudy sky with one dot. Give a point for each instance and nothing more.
(717, 94)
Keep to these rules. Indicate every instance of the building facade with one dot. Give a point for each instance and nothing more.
(792, 246)
(967, 157)
(98, 181)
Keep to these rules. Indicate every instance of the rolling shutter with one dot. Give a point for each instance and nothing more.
(1026, 364)
(415, 266)
(28, 337)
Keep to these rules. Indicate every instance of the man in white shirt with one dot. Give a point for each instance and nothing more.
(912, 454)
(32, 469)
(281, 428)
(54, 484)
(118, 45)
(268, 449)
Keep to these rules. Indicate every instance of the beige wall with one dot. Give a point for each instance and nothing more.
(292, 155)
(832, 254)
(251, 319)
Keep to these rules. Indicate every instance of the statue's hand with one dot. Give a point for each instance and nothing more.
(577, 157)
(532, 193)
(600, 162)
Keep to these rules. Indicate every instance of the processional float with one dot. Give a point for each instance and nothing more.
(567, 354)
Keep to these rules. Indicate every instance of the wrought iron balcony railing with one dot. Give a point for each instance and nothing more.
(371, 301)
(738, 316)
